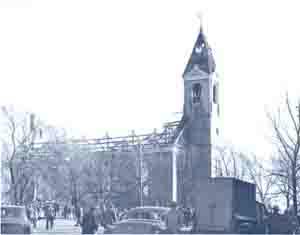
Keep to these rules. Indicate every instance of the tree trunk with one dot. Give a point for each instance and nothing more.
(287, 196)
(13, 184)
(23, 188)
(294, 187)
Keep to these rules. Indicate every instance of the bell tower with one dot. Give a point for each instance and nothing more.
(200, 108)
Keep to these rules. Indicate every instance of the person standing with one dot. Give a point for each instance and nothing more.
(77, 215)
(89, 224)
(69, 216)
(38, 210)
(49, 217)
(173, 219)
(109, 216)
(65, 212)
(56, 208)
(28, 212)
(34, 216)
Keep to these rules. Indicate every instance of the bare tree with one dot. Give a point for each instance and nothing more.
(286, 132)
(19, 131)
(282, 181)
(228, 163)
(260, 176)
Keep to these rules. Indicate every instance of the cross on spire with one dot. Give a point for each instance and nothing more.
(201, 56)
(200, 17)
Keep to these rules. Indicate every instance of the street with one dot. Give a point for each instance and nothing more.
(61, 226)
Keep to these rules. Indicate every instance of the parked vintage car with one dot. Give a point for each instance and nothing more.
(141, 220)
(14, 220)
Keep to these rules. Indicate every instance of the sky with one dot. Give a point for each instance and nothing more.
(112, 66)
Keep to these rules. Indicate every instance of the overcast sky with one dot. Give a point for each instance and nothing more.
(96, 66)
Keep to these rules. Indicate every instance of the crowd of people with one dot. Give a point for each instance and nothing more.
(91, 218)
(103, 215)
(106, 215)
(42, 210)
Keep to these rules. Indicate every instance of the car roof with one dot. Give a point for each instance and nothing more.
(12, 206)
(145, 221)
(150, 208)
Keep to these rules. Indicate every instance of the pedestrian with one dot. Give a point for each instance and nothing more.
(34, 216)
(187, 216)
(98, 215)
(194, 220)
(173, 219)
(108, 217)
(89, 224)
(56, 208)
(180, 211)
(28, 212)
(77, 215)
(49, 217)
(38, 210)
(69, 212)
(65, 211)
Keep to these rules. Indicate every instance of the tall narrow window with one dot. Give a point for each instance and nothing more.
(215, 94)
(196, 93)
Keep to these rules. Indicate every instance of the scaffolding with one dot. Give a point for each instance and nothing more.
(130, 143)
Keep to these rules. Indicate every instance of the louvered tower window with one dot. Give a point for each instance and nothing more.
(196, 93)
(215, 94)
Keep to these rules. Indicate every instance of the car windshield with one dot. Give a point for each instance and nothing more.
(133, 228)
(146, 214)
(14, 212)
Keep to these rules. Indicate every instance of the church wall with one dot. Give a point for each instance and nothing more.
(219, 200)
(118, 172)
(200, 157)
(244, 198)
(184, 179)
(214, 204)
(160, 178)
(121, 170)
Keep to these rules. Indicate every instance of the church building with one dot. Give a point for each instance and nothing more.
(222, 203)
(176, 163)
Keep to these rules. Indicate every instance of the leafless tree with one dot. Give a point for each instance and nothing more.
(286, 135)
(228, 163)
(258, 174)
(18, 132)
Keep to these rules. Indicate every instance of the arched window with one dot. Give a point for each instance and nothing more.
(215, 94)
(196, 93)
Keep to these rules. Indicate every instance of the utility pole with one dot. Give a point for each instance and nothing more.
(174, 175)
(140, 170)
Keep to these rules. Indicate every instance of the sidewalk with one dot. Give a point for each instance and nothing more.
(61, 226)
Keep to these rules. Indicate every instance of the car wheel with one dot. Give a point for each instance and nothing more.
(27, 230)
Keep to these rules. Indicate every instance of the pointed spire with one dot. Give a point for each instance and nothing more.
(199, 15)
(201, 56)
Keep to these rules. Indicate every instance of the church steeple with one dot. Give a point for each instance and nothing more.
(201, 57)
(200, 105)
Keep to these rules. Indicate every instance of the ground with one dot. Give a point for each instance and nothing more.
(61, 226)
